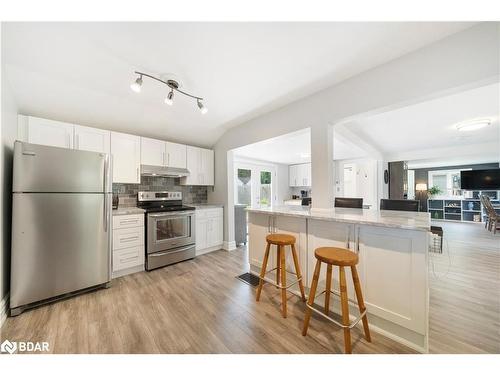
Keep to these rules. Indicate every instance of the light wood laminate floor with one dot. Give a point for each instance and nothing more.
(199, 306)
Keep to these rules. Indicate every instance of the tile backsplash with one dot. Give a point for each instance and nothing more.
(190, 194)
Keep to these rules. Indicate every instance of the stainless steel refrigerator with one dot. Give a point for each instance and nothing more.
(61, 216)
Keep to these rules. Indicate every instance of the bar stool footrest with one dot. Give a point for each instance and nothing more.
(356, 321)
(280, 286)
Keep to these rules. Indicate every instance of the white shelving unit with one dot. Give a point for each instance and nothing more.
(469, 210)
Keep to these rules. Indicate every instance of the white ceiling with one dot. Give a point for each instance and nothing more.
(294, 148)
(423, 126)
(431, 124)
(81, 72)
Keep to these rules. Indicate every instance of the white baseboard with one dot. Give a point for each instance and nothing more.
(4, 306)
(229, 245)
(208, 250)
(128, 271)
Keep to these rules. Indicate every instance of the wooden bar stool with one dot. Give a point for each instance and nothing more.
(281, 240)
(334, 256)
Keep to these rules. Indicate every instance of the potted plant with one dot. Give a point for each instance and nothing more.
(434, 190)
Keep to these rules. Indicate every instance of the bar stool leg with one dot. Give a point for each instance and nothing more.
(312, 294)
(345, 310)
(361, 303)
(283, 279)
(297, 271)
(263, 272)
(328, 288)
(278, 264)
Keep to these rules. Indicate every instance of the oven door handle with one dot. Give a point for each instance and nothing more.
(172, 252)
(167, 214)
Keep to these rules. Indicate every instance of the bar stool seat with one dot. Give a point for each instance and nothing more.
(335, 256)
(281, 240)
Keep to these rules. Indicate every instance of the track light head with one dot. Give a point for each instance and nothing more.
(170, 98)
(136, 86)
(202, 108)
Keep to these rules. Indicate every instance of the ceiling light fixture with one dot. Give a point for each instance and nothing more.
(136, 86)
(472, 125)
(173, 85)
(170, 98)
(202, 108)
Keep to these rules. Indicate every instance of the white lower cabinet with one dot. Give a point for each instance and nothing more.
(209, 229)
(128, 244)
(260, 225)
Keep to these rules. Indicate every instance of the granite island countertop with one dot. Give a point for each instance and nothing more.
(383, 218)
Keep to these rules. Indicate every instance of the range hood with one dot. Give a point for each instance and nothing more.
(155, 170)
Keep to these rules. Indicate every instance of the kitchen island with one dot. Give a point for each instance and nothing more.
(393, 260)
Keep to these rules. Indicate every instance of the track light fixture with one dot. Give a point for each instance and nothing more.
(136, 86)
(173, 85)
(202, 108)
(170, 97)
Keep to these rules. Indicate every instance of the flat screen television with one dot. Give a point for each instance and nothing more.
(481, 179)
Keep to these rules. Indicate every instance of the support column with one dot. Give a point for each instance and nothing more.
(322, 166)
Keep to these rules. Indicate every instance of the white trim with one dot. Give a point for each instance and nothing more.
(208, 250)
(128, 271)
(229, 245)
(4, 306)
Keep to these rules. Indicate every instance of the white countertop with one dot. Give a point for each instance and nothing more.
(127, 211)
(393, 219)
(205, 206)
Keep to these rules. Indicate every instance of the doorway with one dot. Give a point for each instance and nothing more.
(255, 185)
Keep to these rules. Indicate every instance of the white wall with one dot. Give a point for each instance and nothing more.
(8, 135)
(367, 175)
(463, 60)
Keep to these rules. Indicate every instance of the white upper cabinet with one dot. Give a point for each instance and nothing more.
(152, 152)
(92, 139)
(45, 132)
(126, 151)
(175, 155)
(200, 163)
(299, 174)
(161, 153)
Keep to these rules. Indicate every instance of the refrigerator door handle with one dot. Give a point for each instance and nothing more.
(105, 183)
(29, 153)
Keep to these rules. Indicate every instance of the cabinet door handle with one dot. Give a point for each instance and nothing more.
(357, 242)
(129, 239)
(163, 158)
(137, 170)
(168, 158)
(348, 238)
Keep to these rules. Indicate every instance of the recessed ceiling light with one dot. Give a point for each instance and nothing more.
(472, 125)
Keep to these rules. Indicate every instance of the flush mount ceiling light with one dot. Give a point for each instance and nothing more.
(472, 125)
(173, 85)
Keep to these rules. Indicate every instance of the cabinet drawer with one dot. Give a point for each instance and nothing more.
(128, 237)
(208, 213)
(127, 258)
(128, 221)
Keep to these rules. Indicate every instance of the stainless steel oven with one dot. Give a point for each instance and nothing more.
(170, 228)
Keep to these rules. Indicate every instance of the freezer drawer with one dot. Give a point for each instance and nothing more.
(60, 244)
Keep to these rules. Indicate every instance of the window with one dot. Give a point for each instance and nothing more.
(265, 188)
(448, 181)
(244, 186)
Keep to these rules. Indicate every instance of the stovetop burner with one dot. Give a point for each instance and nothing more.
(161, 201)
(167, 208)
